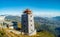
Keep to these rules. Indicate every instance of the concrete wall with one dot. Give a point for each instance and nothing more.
(31, 27)
(24, 23)
(28, 24)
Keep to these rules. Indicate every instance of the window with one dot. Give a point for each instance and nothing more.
(31, 16)
(31, 20)
(31, 30)
(31, 24)
(24, 21)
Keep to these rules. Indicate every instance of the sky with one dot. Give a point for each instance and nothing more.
(45, 8)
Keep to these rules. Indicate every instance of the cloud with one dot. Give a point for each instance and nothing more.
(42, 13)
(46, 13)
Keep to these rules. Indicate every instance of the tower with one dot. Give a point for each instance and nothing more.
(28, 23)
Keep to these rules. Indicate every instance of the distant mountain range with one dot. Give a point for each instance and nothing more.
(40, 20)
(48, 21)
(57, 18)
(12, 18)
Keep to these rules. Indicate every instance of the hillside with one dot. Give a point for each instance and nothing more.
(57, 18)
(12, 18)
(41, 23)
(6, 33)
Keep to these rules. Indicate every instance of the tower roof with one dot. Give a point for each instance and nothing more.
(27, 11)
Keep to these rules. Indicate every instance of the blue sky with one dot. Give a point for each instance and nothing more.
(39, 7)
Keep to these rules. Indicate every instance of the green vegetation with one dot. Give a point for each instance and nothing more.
(40, 34)
(44, 33)
(19, 25)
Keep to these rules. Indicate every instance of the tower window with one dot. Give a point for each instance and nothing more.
(31, 24)
(31, 20)
(31, 16)
(31, 30)
(24, 21)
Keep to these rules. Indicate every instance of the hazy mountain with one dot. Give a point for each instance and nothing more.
(47, 21)
(40, 20)
(12, 18)
(57, 18)
(42, 23)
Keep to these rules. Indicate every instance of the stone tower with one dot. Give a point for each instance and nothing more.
(28, 23)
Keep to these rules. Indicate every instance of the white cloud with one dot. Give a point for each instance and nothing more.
(42, 13)
(47, 13)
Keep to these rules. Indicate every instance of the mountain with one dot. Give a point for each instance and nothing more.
(49, 24)
(42, 20)
(57, 18)
(12, 18)
(42, 23)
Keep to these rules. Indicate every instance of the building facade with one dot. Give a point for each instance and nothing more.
(28, 23)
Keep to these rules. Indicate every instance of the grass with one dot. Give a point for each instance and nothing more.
(19, 25)
(39, 34)
(3, 33)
